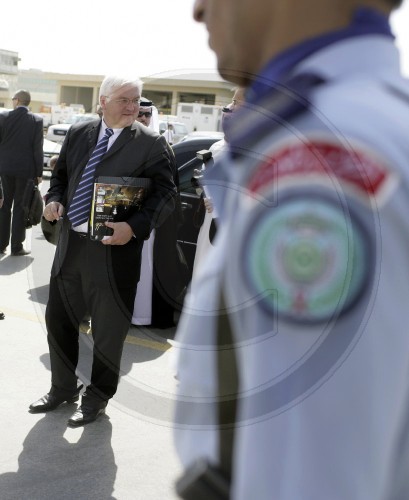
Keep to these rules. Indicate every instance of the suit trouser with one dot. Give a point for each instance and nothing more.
(76, 290)
(13, 191)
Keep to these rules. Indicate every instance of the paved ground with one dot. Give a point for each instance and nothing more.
(127, 454)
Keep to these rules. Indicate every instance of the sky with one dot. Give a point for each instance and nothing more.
(136, 37)
(98, 37)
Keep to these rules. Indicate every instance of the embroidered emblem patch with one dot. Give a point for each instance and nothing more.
(306, 259)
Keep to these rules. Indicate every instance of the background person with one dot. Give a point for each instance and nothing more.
(21, 159)
(100, 277)
(208, 228)
(168, 134)
(142, 312)
(145, 112)
(163, 278)
(307, 395)
(148, 114)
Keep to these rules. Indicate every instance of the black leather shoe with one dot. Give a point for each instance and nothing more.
(20, 253)
(87, 413)
(53, 399)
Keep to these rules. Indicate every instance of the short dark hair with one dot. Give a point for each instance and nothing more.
(394, 3)
(23, 96)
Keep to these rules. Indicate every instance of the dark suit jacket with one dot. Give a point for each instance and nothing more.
(137, 152)
(170, 271)
(21, 143)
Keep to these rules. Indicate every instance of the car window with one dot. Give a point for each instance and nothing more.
(186, 161)
(186, 174)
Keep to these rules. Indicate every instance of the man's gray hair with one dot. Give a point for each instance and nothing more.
(112, 83)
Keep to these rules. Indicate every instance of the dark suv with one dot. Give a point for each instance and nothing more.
(187, 162)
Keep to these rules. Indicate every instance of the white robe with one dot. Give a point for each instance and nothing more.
(142, 313)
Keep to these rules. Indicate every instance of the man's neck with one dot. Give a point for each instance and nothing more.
(309, 20)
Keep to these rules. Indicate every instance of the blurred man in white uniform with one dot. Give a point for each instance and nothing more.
(295, 360)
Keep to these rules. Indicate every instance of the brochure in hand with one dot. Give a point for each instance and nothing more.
(114, 200)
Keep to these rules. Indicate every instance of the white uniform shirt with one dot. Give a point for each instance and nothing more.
(312, 258)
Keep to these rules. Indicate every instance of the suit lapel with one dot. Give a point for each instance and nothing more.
(93, 136)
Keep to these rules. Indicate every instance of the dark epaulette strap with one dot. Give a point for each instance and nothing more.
(276, 107)
(228, 386)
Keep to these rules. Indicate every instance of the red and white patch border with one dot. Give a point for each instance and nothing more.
(351, 168)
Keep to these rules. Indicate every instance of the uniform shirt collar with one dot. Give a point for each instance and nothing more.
(366, 21)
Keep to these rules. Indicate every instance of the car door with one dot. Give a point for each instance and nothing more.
(193, 211)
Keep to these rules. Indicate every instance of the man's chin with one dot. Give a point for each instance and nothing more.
(233, 75)
(126, 122)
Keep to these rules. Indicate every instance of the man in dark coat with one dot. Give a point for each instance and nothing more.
(100, 277)
(21, 159)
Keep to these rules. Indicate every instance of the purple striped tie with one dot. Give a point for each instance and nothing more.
(79, 210)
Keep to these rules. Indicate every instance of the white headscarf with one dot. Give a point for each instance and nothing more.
(154, 123)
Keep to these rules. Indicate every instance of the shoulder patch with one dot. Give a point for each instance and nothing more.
(307, 259)
(353, 169)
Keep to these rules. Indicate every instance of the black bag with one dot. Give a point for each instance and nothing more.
(33, 204)
(51, 230)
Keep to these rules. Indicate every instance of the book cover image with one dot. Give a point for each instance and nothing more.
(114, 200)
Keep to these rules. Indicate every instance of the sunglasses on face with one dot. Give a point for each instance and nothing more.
(148, 114)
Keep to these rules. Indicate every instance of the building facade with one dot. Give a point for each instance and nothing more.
(48, 89)
(8, 76)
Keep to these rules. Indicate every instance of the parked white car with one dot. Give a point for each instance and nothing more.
(58, 132)
(50, 149)
(198, 134)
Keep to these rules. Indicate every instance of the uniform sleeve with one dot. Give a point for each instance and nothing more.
(309, 287)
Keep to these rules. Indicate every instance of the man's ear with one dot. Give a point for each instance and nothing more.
(102, 101)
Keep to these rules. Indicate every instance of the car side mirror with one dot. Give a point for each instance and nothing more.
(204, 155)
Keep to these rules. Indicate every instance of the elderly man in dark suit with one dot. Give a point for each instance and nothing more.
(21, 159)
(100, 277)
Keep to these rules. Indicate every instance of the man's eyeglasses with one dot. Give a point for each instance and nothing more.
(123, 101)
(148, 114)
